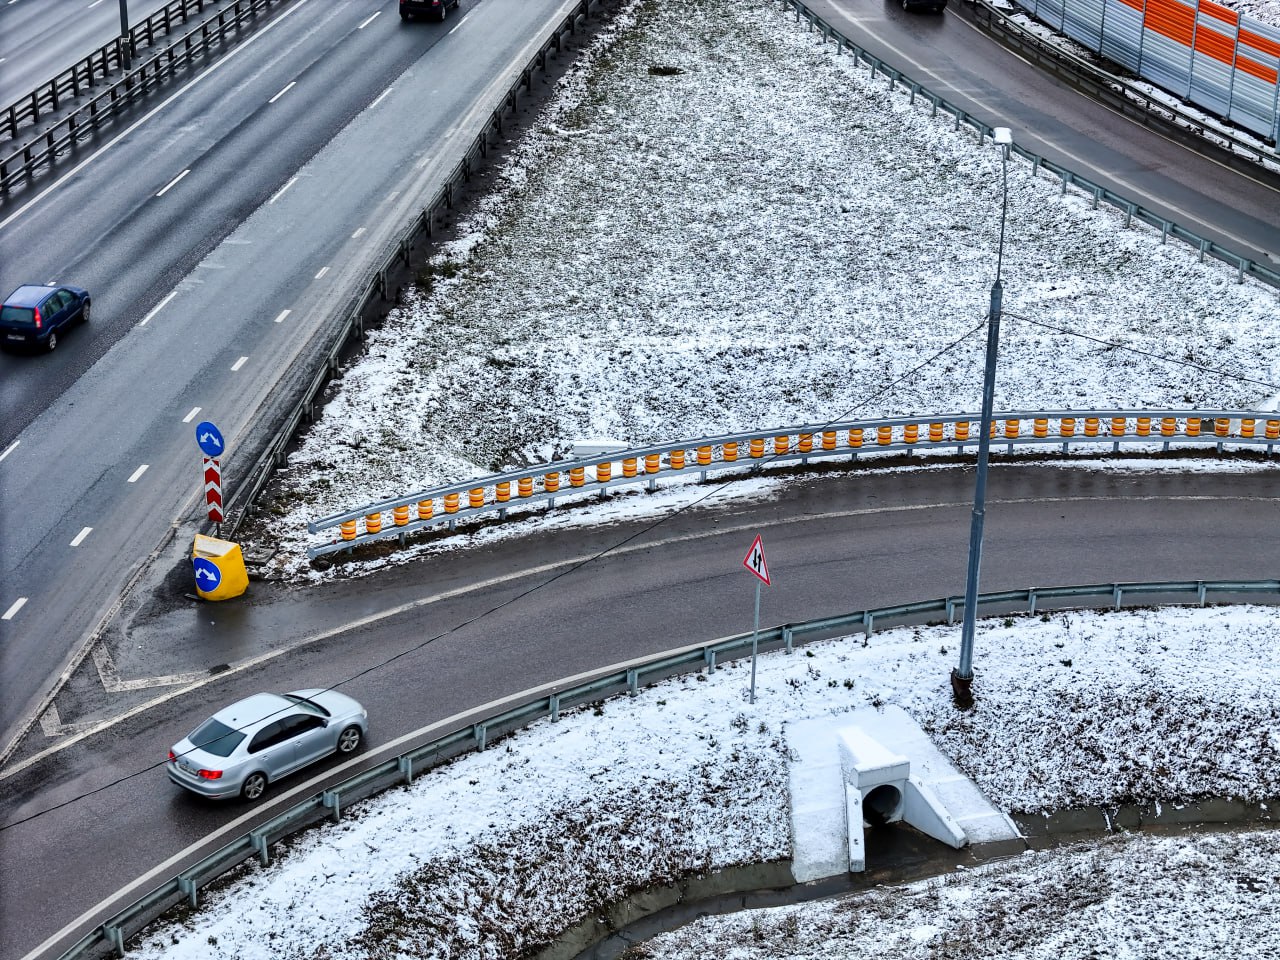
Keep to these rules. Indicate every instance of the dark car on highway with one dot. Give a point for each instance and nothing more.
(435, 8)
(33, 316)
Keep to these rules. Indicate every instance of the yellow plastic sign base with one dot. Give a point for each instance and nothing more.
(219, 569)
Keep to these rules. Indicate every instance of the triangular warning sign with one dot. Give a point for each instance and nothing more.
(755, 561)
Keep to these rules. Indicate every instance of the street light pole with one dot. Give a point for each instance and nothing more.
(124, 32)
(962, 675)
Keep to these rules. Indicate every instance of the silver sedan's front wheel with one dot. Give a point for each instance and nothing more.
(255, 784)
(349, 739)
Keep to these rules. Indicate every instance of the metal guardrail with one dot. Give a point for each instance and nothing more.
(1245, 266)
(424, 509)
(378, 288)
(135, 84)
(1116, 92)
(550, 701)
(83, 75)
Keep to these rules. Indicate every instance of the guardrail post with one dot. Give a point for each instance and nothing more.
(114, 936)
(187, 885)
(1200, 591)
(259, 841)
(951, 611)
(1118, 595)
(711, 661)
(868, 623)
(1031, 600)
(405, 765)
(633, 682)
(481, 733)
(330, 799)
(554, 706)
(786, 638)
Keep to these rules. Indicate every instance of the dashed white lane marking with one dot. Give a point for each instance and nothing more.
(460, 23)
(288, 86)
(357, 233)
(9, 449)
(81, 535)
(133, 477)
(13, 610)
(369, 20)
(239, 363)
(157, 308)
(173, 183)
(283, 314)
(279, 193)
(191, 416)
(323, 271)
(378, 99)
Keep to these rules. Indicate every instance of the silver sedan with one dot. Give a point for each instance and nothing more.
(245, 746)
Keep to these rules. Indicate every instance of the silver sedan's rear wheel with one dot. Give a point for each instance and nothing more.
(349, 739)
(254, 786)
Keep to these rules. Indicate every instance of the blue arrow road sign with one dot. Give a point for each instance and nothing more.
(207, 574)
(210, 439)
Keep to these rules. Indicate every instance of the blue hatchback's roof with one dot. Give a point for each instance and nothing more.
(28, 295)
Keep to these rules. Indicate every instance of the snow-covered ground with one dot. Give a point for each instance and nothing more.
(768, 237)
(493, 855)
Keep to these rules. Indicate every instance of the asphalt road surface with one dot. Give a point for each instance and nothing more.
(836, 544)
(267, 185)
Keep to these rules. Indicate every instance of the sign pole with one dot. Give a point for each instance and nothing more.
(755, 637)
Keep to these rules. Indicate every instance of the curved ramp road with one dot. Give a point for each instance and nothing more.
(952, 57)
(834, 545)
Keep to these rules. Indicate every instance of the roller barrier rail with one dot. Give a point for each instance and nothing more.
(947, 433)
(84, 75)
(476, 732)
(1244, 266)
(134, 85)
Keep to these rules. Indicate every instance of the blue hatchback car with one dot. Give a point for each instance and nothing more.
(33, 316)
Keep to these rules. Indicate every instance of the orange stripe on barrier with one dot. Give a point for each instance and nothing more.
(1255, 69)
(1171, 19)
(1211, 43)
(1259, 42)
(1135, 4)
(1219, 12)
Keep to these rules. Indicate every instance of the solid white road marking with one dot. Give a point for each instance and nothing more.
(276, 196)
(173, 183)
(289, 86)
(239, 363)
(191, 416)
(157, 308)
(13, 610)
(283, 314)
(81, 535)
(9, 449)
(133, 477)
(357, 233)
(323, 271)
(369, 20)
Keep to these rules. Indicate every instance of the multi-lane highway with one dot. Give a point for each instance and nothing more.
(221, 229)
